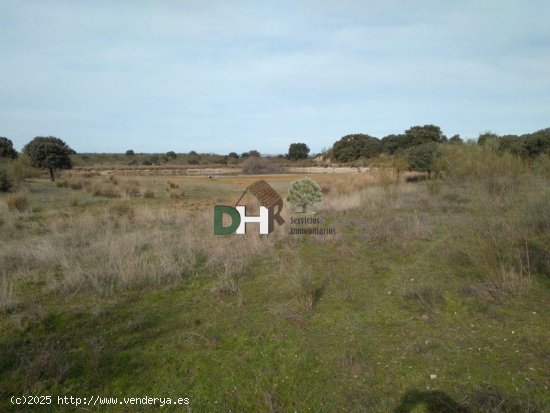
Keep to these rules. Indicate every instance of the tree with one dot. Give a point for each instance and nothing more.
(487, 136)
(352, 147)
(233, 155)
(130, 152)
(49, 153)
(421, 157)
(393, 143)
(510, 143)
(456, 139)
(6, 148)
(418, 135)
(171, 154)
(297, 151)
(254, 152)
(304, 193)
(537, 143)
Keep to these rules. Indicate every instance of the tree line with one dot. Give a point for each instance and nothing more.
(415, 149)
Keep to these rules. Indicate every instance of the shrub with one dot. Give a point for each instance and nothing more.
(5, 184)
(106, 191)
(20, 169)
(172, 185)
(131, 187)
(121, 209)
(17, 202)
(75, 184)
(177, 194)
(257, 165)
(536, 213)
(541, 166)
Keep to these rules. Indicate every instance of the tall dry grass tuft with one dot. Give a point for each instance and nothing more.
(308, 288)
(148, 193)
(8, 298)
(18, 202)
(105, 190)
(389, 182)
(131, 187)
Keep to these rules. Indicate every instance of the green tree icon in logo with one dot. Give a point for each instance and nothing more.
(304, 193)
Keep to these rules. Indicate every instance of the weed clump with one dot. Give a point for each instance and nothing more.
(307, 287)
(17, 202)
(131, 187)
(148, 193)
(121, 209)
(106, 191)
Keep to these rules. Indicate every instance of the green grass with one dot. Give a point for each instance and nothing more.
(364, 346)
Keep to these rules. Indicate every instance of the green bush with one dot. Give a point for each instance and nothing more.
(20, 169)
(5, 184)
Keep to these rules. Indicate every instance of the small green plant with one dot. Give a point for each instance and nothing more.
(307, 286)
(304, 193)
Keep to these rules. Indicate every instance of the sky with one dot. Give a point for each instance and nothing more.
(222, 76)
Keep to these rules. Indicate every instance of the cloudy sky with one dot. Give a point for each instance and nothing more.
(221, 76)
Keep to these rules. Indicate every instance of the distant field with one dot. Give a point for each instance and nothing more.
(431, 295)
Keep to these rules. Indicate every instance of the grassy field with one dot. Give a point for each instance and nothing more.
(433, 296)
